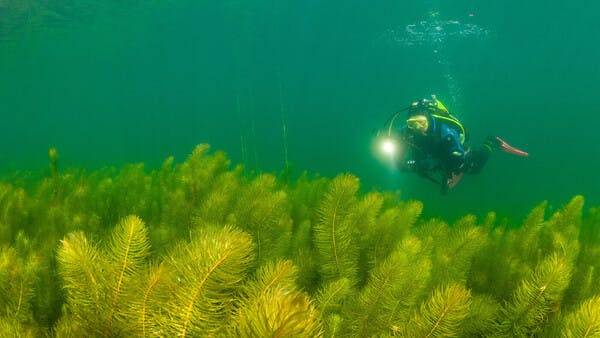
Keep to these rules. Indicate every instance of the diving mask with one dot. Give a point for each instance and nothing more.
(418, 123)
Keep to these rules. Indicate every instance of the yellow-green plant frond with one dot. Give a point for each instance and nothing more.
(526, 239)
(411, 211)
(480, 322)
(165, 175)
(334, 238)
(127, 253)
(363, 218)
(498, 269)
(131, 191)
(563, 229)
(333, 295)
(280, 313)
(5, 190)
(536, 216)
(13, 212)
(301, 239)
(453, 256)
(590, 231)
(569, 216)
(305, 194)
(80, 266)
(163, 183)
(586, 276)
(393, 290)
(432, 232)
(441, 315)
(537, 298)
(273, 306)
(330, 301)
(17, 278)
(391, 227)
(11, 327)
(384, 238)
(209, 271)
(334, 325)
(199, 170)
(269, 276)
(218, 203)
(585, 322)
(366, 211)
(304, 257)
(489, 221)
(146, 310)
(174, 223)
(68, 326)
(466, 222)
(262, 212)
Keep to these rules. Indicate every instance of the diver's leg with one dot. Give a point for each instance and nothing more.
(477, 158)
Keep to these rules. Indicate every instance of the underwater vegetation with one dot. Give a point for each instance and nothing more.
(201, 248)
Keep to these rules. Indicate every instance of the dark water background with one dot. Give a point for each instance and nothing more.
(108, 83)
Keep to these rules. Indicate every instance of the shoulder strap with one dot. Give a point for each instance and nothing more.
(452, 122)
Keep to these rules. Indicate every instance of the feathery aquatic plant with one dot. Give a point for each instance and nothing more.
(272, 306)
(441, 315)
(99, 283)
(260, 210)
(209, 271)
(585, 322)
(17, 280)
(537, 298)
(452, 258)
(393, 289)
(306, 257)
(334, 235)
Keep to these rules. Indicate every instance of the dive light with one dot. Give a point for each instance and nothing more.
(389, 146)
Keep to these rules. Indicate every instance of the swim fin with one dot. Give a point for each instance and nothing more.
(507, 148)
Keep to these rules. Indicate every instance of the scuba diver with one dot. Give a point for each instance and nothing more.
(434, 144)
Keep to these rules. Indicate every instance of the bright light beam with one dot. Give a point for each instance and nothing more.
(388, 147)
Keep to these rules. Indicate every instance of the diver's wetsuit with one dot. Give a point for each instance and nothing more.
(434, 145)
(439, 149)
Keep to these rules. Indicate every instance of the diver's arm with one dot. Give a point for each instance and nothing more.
(407, 164)
(406, 160)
